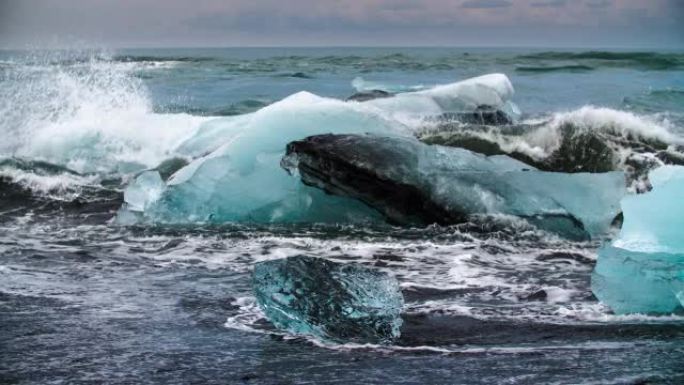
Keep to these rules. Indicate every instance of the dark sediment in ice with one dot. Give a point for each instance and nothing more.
(170, 166)
(349, 165)
(412, 183)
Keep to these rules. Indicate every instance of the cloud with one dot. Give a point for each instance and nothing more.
(549, 3)
(400, 5)
(155, 23)
(485, 4)
(598, 3)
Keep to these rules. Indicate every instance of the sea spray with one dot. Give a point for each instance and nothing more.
(85, 111)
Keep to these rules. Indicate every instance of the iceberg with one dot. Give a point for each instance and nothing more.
(235, 174)
(329, 300)
(642, 271)
(240, 178)
(411, 182)
(490, 92)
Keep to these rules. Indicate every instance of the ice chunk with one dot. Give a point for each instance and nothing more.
(408, 181)
(328, 300)
(643, 270)
(236, 175)
(639, 282)
(241, 180)
(493, 91)
(146, 188)
(655, 221)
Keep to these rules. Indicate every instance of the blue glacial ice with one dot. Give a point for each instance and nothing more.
(493, 90)
(236, 176)
(240, 179)
(411, 182)
(642, 271)
(328, 300)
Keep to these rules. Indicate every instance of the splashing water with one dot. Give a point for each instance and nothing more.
(85, 112)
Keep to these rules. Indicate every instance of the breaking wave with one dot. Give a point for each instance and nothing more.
(634, 140)
(91, 113)
(88, 114)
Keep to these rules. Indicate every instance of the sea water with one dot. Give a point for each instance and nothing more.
(84, 297)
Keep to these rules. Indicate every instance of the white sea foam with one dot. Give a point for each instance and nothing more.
(58, 186)
(362, 85)
(547, 133)
(89, 114)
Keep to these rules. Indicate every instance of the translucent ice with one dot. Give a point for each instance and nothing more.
(639, 282)
(408, 181)
(145, 188)
(643, 270)
(328, 300)
(236, 174)
(493, 90)
(654, 221)
(241, 179)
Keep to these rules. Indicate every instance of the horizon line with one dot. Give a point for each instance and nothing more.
(90, 46)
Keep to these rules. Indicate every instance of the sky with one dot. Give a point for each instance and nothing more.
(208, 23)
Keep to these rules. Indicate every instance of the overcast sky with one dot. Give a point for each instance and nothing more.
(146, 23)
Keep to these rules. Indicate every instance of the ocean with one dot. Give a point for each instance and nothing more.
(88, 295)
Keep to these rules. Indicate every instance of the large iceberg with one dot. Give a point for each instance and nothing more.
(642, 271)
(240, 178)
(329, 300)
(235, 174)
(411, 182)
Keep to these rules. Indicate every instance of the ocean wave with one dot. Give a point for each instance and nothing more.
(62, 186)
(558, 68)
(623, 123)
(38, 188)
(295, 75)
(160, 59)
(620, 140)
(362, 85)
(670, 100)
(647, 60)
(239, 108)
(310, 65)
(99, 118)
(92, 117)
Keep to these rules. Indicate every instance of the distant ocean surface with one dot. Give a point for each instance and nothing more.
(87, 299)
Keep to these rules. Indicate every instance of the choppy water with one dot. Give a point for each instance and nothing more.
(85, 300)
